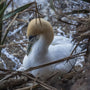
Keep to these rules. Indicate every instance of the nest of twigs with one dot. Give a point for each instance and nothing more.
(82, 35)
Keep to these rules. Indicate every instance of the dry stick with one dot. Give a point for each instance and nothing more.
(37, 14)
(78, 11)
(27, 88)
(21, 20)
(11, 83)
(2, 1)
(28, 9)
(84, 34)
(54, 62)
(40, 82)
(75, 48)
(6, 70)
(37, 67)
(7, 29)
(76, 19)
(59, 19)
(12, 5)
(64, 15)
(72, 53)
(14, 44)
(31, 10)
(36, 10)
(30, 77)
(10, 75)
(11, 24)
(68, 61)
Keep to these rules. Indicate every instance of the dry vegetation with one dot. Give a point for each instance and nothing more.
(77, 79)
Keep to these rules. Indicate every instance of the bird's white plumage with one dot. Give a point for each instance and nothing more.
(41, 53)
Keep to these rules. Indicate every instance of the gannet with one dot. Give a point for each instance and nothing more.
(42, 50)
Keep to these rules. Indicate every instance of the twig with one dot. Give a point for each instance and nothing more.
(7, 29)
(31, 10)
(10, 75)
(37, 67)
(28, 75)
(12, 5)
(72, 53)
(11, 83)
(75, 48)
(21, 20)
(2, 11)
(54, 62)
(6, 70)
(13, 44)
(48, 87)
(59, 19)
(78, 11)
(28, 87)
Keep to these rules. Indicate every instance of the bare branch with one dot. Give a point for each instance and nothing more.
(13, 44)
(7, 29)
(54, 62)
(78, 12)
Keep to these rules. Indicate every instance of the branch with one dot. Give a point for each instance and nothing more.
(7, 29)
(5, 70)
(12, 44)
(9, 76)
(46, 86)
(4, 83)
(60, 15)
(78, 12)
(65, 22)
(54, 62)
(87, 1)
(10, 83)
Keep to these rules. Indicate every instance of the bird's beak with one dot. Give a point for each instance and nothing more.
(32, 40)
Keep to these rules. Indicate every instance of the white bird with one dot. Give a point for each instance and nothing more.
(41, 52)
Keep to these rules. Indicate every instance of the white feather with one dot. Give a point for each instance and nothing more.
(42, 53)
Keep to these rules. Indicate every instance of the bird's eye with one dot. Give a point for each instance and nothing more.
(30, 37)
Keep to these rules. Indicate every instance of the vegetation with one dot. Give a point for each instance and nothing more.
(3, 17)
(2, 4)
(81, 38)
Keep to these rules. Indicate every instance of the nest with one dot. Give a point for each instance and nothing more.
(82, 35)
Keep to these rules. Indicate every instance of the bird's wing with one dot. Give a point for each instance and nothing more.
(60, 40)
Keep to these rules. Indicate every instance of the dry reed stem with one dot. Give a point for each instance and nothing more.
(75, 48)
(54, 62)
(28, 87)
(25, 73)
(7, 29)
(48, 87)
(6, 70)
(22, 20)
(12, 44)
(28, 75)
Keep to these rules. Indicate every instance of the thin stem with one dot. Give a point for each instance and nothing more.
(57, 61)
(7, 29)
(1, 22)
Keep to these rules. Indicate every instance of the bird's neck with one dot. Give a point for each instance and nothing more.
(41, 46)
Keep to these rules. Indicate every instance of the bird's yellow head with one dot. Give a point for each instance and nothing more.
(40, 26)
